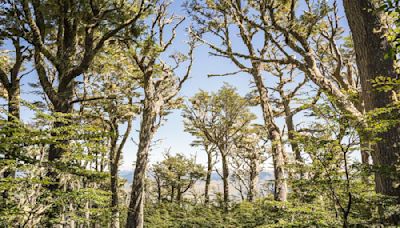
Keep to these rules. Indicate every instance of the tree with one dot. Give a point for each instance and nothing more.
(248, 156)
(211, 152)
(11, 73)
(110, 83)
(219, 20)
(66, 36)
(161, 86)
(178, 174)
(305, 38)
(219, 117)
(10, 76)
(372, 48)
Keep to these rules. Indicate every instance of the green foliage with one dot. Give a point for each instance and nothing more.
(392, 8)
(108, 81)
(218, 117)
(177, 173)
(28, 197)
(262, 213)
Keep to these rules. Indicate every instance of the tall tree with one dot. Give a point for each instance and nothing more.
(249, 155)
(11, 73)
(224, 19)
(66, 37)
(161, 86)
(219, 117)
(372, 50)
(210, 150)
(112, 85)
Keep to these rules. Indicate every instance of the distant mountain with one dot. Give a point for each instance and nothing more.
(127, 175)
(264, 175)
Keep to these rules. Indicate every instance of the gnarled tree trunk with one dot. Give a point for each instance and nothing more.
(274, 135)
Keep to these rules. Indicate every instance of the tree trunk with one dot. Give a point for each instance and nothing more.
(208, 177)
(159, 196)
(274, 135)
(365, 149)
(14, 100)
(253, 180)
(114, 187)
(114, 198)
(136, 206)
(179, 194)
(280, 193)
(225, 178)
(172, 194)
(291, 135)
(115, 157)
(63, 106)
(371, 46)
(14, 115)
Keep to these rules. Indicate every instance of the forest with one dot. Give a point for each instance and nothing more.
(284, 113)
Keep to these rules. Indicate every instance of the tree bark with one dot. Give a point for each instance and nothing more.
(114, 186)
(365, 150)
(371, 46)
(225, 178)
(274, 135)
(172, 194)
(136, 206)
(179, 192)
(62, 106)
(291, 135)
(159, 196)
(115, 157)
(253, 179)
(208, 177)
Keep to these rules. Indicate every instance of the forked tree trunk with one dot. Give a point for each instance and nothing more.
(115, 157)
(371, 46)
